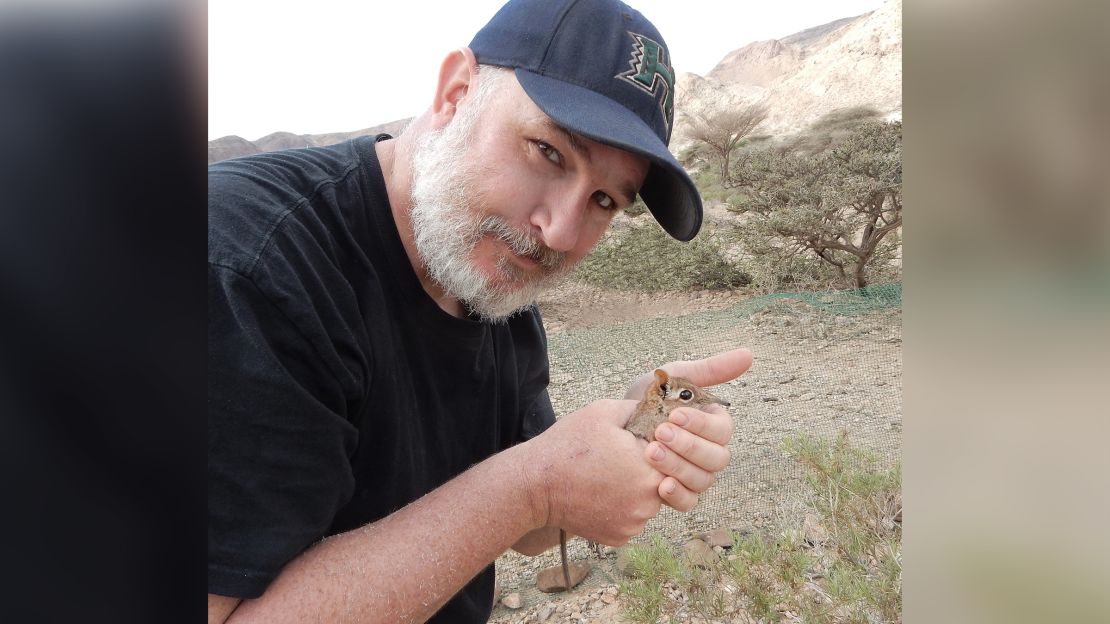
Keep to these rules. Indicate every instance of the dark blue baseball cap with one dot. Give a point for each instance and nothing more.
(600, 69)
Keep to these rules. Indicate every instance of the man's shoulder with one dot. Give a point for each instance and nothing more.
(251, 198)
(300, 169)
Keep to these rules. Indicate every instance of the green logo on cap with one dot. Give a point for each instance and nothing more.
(650, 70)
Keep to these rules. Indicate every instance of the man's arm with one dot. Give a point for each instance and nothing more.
(538, 541)
(585, 473)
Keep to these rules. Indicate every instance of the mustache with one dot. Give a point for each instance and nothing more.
(521, 243)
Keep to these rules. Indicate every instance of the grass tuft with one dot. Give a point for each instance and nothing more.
(850, 571)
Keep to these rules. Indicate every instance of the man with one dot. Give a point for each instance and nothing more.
(377, 371)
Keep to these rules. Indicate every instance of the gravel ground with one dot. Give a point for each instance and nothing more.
(815, 372)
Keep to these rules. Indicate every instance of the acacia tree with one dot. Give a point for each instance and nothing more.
(837, 204)
(721, 129)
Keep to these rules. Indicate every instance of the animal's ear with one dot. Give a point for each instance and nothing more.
(661, 380)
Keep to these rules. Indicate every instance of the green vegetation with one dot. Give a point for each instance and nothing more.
(836, 199)
(816, 211)
(646, 258)
(840, 564)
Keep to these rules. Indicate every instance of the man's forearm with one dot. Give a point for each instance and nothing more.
(406, 566)
(537, 541)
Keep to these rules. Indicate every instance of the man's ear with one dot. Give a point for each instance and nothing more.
(456, 75)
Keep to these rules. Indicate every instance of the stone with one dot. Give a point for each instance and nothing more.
(718, 537)
(545, 613)
(512, 601)
(699, 553)
(815, 533)
(550, 580)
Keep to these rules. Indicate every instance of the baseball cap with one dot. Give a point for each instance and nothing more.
(600, 69)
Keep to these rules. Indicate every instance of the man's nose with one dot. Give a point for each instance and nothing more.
(563, 219)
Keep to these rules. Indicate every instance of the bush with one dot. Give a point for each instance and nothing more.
(647, 258)
(837, 559)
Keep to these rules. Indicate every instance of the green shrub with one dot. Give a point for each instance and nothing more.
(853, 574)
(647, 258)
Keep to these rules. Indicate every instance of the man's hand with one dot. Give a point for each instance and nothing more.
(586, 475)
(692, 447)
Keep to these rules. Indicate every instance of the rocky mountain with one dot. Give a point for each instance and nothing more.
(854, 61)
(234, 146)
(849, 62)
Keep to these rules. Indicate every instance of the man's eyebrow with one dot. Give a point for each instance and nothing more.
(628, 192)
(572, 138)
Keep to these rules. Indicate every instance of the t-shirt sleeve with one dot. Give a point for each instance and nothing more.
(278, 448)
(539, 417)
(534, 371)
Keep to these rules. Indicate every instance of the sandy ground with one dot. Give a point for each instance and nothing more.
(815, 372)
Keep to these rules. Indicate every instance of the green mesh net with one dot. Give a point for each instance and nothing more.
(825, 363)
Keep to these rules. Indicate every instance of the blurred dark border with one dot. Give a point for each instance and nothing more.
(102, 326)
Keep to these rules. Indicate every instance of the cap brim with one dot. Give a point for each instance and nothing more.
(668, 191)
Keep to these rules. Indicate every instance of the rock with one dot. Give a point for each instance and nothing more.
(699, 553)
(545, 613)
(550, 580)
(815, 533)
(718, 537)
(512, 601)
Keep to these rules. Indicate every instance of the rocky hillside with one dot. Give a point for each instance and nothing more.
(849, 62)
(854, 61)
(234, 146)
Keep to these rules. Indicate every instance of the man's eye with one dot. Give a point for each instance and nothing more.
(551, 153)
(604, 200)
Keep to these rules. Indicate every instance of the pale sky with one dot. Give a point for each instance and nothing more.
(342, 65)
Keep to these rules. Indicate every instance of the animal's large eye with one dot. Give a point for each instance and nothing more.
(685, 395)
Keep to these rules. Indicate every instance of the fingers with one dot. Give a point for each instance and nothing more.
(689, 456)
(705, 454)
(713, 370)
(666, 461)
(676, 496)
(711, 422)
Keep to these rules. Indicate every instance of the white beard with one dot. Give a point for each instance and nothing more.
(448, 222)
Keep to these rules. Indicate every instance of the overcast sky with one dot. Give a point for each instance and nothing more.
(342, 65)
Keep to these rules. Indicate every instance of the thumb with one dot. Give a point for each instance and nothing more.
(713, 370)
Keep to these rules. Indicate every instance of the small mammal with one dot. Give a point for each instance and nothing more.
(663, 395)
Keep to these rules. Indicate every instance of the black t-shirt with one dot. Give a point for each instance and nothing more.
(338, 391)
